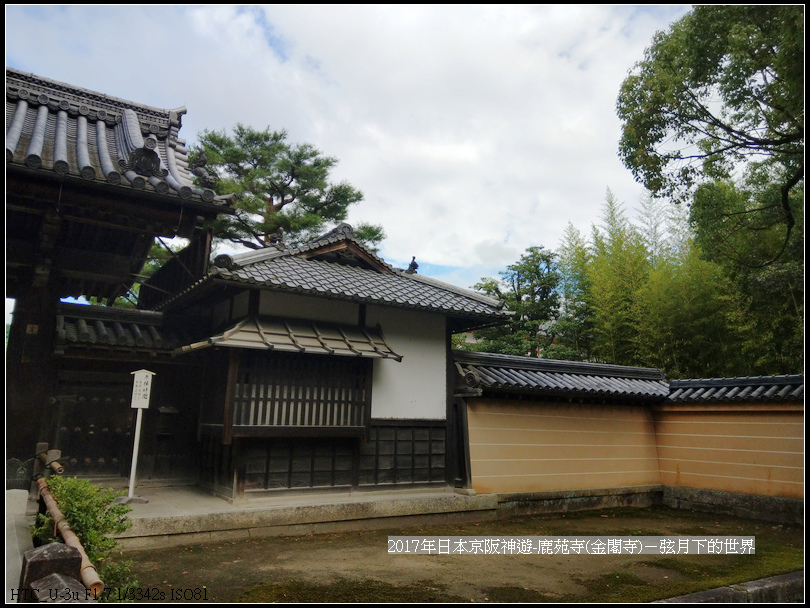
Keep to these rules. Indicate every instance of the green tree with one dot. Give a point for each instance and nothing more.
(529, 289)
(723, 216)
(720, 94)
(160, 252)
(573, 330)
(691, 323)
(654, 221)
(618, 269)
(282, 188)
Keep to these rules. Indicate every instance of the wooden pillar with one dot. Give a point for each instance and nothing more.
(452, 446)
(230, 397)
(30, 371)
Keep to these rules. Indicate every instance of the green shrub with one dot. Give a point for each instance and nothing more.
(94, 516)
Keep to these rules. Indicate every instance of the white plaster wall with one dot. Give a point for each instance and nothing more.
(274, 304)
(416, 386)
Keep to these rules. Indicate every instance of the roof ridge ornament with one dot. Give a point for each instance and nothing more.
(138, 154)
(342, 230)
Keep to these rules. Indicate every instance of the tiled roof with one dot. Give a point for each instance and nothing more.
(291, 273)
(301, 337)
(69, 132)
(370, 279)
(528, 375)
(752, 389)
(112, 328)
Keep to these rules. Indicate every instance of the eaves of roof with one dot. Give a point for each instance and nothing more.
(59, 131)
(298, 336)
(110, 328)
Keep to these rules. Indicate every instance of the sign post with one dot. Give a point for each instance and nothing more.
(141, 391)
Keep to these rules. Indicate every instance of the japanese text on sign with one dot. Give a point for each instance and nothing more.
(141, 388)
(579, 545)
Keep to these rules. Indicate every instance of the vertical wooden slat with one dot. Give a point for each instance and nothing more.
(299, 393)
(308, 400)
(317, 400)
(267, 380)
(296, 386)
(284, 378)
(249, 399)
(267, 387)
(255, 394)
(276, 403)
(327, 401)
(292, 383)
(272, 389)
(344, 399)
(296, 392)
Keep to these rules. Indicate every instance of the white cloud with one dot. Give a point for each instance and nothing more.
(474, 132)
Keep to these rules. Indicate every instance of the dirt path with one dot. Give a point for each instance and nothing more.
(357, 567)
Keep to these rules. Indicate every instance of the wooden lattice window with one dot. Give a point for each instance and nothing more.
(277, 394)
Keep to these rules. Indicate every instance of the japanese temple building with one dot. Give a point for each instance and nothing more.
(319, 366)
(316, 367)
(91, 182)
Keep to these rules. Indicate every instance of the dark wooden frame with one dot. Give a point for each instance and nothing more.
(269, 394)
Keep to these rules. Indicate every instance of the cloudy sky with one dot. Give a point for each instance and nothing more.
(473, 132)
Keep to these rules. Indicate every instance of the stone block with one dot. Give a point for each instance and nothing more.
(53, 558)
(781, 589)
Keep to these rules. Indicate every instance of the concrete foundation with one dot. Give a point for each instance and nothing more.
(768, 508)
(785, 588)
(177, 516)
(565, 501)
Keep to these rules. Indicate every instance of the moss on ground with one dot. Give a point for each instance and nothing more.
(282, 569)
(343, 591)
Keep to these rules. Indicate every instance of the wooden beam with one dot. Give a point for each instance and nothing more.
(85, 264)
(347, 246)
(135, 211)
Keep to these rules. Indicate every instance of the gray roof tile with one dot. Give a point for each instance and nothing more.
(298, 336)
(70, 132)
(289, 271)
(112, 328)
(760, 389)
(528, 375)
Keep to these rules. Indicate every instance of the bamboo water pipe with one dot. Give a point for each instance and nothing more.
(53, 464)
(89, 574)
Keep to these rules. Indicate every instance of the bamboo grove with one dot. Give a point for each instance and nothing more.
(656, 291)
